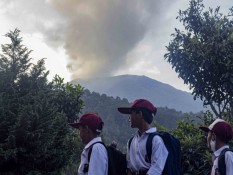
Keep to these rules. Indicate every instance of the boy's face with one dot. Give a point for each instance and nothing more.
(84, 133)
(134, 119)
(209, 139)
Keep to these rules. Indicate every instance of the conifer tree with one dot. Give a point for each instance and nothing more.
(34, 136)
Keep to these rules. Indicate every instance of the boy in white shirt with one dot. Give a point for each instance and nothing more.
(141, 116)
(219, 134)
(90, 126)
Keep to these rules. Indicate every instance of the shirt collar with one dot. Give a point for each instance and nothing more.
(150, 130)
(217, 153)
(96, 139)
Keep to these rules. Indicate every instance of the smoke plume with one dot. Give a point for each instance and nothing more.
(100, 33)
(97, 35)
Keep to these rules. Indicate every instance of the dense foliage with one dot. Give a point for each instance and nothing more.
(34, 136)
(195, 155)
(202, 55)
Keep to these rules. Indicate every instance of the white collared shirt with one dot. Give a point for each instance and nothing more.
(228, 161)
(136, 154)
(98, 161)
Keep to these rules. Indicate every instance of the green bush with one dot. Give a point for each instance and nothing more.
(196, 158)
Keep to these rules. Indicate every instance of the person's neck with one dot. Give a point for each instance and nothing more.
(220, 144)
(90, 138)
(144, 127)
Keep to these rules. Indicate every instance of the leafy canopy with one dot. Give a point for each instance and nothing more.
(202, 55)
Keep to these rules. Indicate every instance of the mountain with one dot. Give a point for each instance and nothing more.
(132, 87)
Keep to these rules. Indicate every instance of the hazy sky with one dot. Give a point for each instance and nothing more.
(92, 38)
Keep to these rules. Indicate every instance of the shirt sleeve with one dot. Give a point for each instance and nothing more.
(158, 157)
(98, 161)
(229, 162)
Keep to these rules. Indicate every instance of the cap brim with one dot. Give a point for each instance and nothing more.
(74, 125)
(125, 110)
(204, 128)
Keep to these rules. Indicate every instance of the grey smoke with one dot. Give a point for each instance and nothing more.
(100, 33)
(96, 34)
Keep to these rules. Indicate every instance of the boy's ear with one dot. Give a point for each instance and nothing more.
(213, 136)
(140, 113)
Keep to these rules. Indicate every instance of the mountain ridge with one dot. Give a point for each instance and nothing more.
(133, 87)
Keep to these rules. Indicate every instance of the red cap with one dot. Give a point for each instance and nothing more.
(221, 128)
(138, 104)
(91, 120)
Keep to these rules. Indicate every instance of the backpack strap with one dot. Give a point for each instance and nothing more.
(86, 166)
(172, 144)
(149, 146)
(221, 161)
(129, 142)
(90, 151)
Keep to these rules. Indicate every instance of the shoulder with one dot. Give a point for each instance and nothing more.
(98, 146)
(156, 138)
(229, 155)
(99, 150)
(156, 141)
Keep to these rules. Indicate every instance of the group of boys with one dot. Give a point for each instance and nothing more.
(141, 114)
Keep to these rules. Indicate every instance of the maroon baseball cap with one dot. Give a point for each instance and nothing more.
(93, 121)
(221, 128)
(138, 104)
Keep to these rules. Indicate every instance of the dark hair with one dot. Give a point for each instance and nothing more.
(147, 115)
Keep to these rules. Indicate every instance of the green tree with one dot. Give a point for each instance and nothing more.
(34, 136)
(202, 55)
(194, 153)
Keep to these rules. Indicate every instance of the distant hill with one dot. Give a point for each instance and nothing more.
(132, 87)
